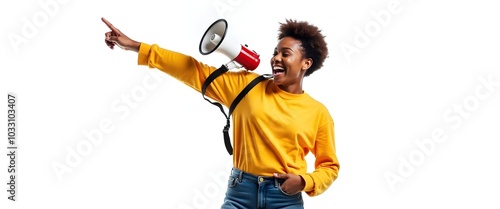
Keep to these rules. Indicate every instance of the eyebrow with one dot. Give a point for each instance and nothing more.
(275, 49)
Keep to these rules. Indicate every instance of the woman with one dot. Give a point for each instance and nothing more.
(275, 125)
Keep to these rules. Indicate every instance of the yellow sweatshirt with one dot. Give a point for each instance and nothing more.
(273, 130)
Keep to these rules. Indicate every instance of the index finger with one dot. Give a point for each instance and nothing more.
(110, 26)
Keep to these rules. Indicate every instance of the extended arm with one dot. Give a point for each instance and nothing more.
(182, 67)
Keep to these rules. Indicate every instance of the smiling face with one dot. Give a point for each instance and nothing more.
(289, 65)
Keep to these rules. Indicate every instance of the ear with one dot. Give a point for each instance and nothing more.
(306, 63)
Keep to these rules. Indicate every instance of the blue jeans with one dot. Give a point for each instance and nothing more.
(248, 191)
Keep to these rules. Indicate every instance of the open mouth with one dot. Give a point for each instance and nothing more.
(277, 70)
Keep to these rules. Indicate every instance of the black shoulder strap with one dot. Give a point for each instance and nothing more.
(209, 80)
(227, 140)
(225, 131)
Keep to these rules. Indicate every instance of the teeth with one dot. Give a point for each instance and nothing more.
(277, 68)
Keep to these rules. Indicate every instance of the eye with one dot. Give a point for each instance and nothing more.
(275, 53)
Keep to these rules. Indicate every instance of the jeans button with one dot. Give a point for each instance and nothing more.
(261, 179)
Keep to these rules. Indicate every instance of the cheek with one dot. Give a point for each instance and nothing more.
(294, 67)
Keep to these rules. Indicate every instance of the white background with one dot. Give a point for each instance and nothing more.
(410, 73)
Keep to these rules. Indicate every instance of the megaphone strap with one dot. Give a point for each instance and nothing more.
(210, 78)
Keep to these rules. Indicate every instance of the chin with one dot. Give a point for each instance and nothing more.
(277, 81)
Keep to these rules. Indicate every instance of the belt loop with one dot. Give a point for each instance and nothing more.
(240, 177)
(276, 183)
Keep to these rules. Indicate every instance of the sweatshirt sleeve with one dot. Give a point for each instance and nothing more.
(193, 73)
(326, 164)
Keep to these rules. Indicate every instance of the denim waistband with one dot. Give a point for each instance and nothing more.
(240, 175)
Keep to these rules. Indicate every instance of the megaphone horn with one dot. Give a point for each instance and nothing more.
(215, 39)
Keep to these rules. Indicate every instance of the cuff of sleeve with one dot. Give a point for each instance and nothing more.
(309, 182)
(143, 56)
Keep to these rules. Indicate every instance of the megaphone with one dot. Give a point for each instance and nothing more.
(215, 39)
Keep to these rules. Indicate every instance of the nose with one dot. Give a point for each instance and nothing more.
(276, 58)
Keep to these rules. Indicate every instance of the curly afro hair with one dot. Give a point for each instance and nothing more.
(313, 42)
